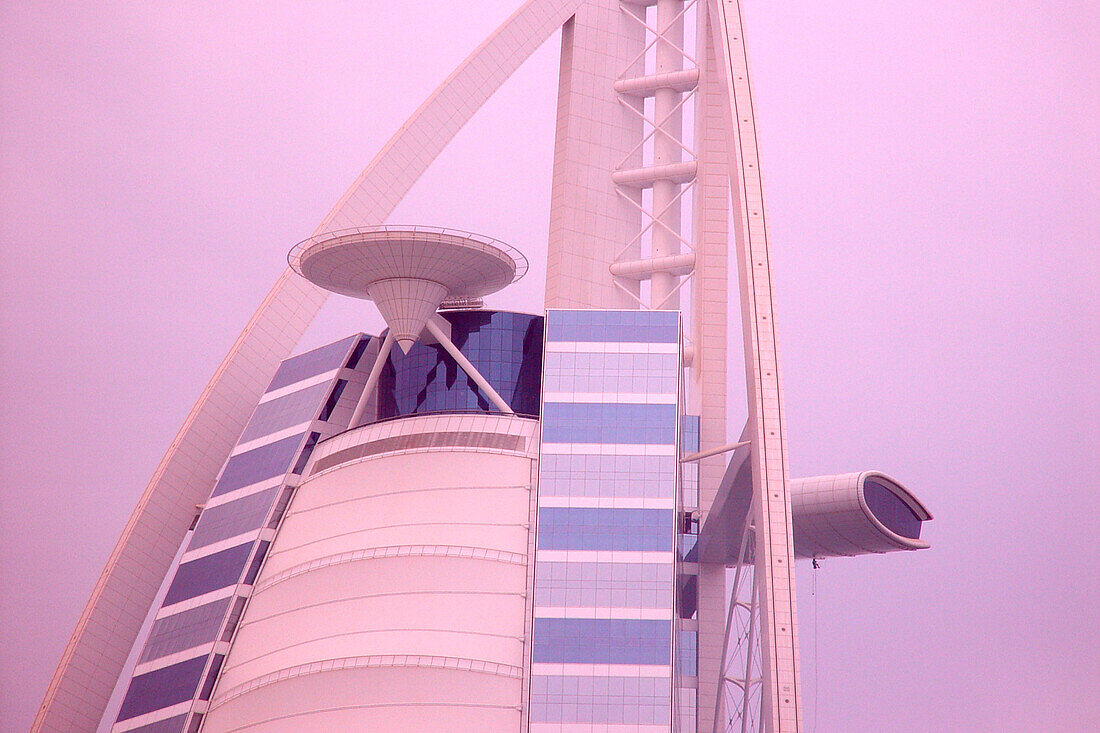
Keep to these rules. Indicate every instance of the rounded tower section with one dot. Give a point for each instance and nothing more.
(394, 596)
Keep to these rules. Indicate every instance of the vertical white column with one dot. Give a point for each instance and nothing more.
(666, 150)
(781, 708)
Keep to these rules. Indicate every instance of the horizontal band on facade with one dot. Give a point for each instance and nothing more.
(612, 556)
(607, 612)
(375, 660)
(609, 502)
(473, 553)
(615, 347)
(611, 449)
(623, 398)
(422, 441)
(601, 670)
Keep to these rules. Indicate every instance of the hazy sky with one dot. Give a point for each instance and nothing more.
(931, 173)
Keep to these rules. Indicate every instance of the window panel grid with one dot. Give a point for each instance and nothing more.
(593, 475)
(612, 700)
(603, 585)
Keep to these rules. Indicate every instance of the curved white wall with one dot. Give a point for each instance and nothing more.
(394, 595)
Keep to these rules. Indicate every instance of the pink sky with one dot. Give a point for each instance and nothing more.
(932, 174)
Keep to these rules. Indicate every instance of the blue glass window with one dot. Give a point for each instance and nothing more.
(208, 573)
(229, 520)
(505, 347)
(330, 403)
(284, 412)
(162, 688)
(185, 630)
(634, 326)
(689, 434)
(603, 422)
(585, 528)
(258, 464)
(312, 363)
(689, 653)
(602, 641)
(357, 353)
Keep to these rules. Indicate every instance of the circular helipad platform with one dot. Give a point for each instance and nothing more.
(350, 261)
(407, 271)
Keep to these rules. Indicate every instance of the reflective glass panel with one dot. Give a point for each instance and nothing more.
(284, 412)
(185, 630)
(633, 326)
(604, 422)
(587, 528)
(208, 573)
(506, 348)
(258, 464)
(312, 363)
(161, 688)
(891, 510)
(236, 517)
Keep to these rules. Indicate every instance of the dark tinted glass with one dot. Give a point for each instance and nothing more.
(602, 641)
(357, 352)
(583, 528)
(890, 510)
(208, 573)
(162, 687)
(257, 465)
(312, 363)
(257, 560)
(333, 398)
(211, 677)
(505, 347)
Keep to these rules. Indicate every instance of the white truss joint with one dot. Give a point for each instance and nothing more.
(685, 80)
(681, 264)
(645, 177)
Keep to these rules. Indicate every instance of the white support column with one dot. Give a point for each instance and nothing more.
(781, 708)
(469, 368)
(666, 151)
(372, 379)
